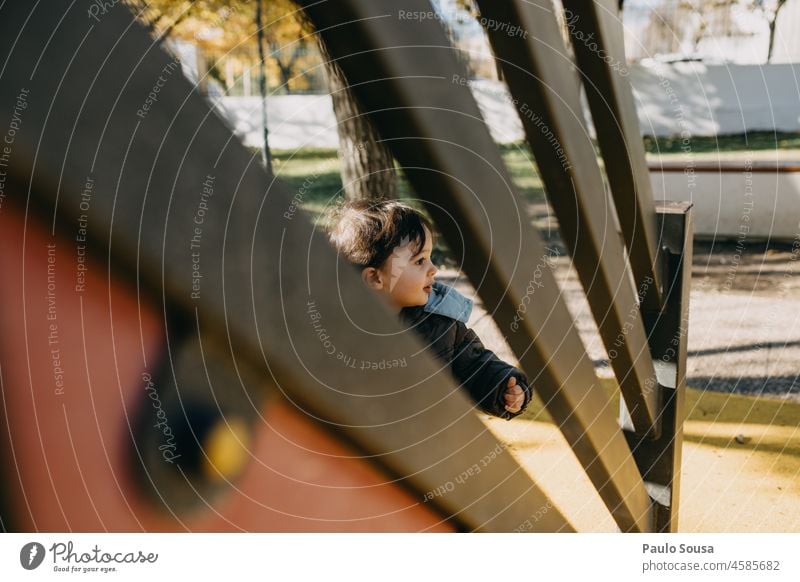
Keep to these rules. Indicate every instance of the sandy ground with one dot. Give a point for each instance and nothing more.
(741, 454)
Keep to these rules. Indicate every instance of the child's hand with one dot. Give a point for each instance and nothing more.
(514, 396)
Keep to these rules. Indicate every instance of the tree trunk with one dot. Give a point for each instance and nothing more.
(266, 154)
(367, 166)
(772, 24)
(771, 40)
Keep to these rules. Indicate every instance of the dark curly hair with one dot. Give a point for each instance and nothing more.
(366, 232)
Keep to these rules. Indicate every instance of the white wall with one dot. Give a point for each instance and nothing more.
(294, 121)
(670, 98)
(716, 99)
(787, 41)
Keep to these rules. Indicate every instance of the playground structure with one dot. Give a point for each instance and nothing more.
(162, 362)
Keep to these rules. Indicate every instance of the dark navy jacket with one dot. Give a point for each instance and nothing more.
(442, 325)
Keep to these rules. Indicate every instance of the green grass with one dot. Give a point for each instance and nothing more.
(519, 161)
(315, 173)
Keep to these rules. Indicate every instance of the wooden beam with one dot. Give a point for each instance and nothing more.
(595, 30)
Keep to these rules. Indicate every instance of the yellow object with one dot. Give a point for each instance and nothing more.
(227, 449)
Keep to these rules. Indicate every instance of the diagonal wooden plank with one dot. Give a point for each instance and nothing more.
(404, 73)
(545, 89)
(175, 195)
(595, 30)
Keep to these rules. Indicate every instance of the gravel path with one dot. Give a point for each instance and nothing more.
(744, 319)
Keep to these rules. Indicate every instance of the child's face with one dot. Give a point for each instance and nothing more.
(405, 278)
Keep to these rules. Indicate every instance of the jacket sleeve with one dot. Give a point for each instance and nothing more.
(483, 374)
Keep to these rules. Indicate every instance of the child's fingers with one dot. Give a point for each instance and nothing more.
(514, 400)
(514, 397)
(515, 390)
(514, 404)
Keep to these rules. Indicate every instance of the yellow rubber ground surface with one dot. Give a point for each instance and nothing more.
(741, 465)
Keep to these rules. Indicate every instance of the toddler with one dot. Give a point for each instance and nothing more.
(391, 243)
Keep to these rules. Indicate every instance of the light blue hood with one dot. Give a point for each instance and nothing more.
(444, 300)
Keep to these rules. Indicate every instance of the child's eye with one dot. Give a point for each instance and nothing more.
(420, 261)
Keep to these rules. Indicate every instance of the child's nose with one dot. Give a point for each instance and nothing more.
(433, 270)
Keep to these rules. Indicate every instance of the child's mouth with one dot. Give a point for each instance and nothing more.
(428, 288)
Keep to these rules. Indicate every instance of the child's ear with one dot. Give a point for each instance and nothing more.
(372, 277)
